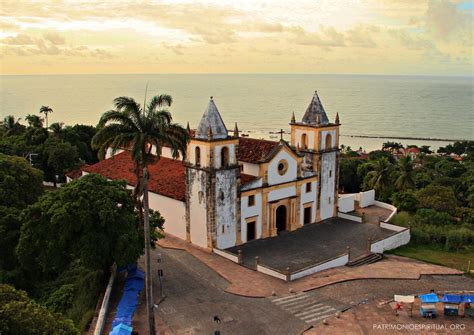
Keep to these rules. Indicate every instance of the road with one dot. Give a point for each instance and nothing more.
(195, 294)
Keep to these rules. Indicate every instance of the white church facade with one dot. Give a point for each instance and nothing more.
(232, 189)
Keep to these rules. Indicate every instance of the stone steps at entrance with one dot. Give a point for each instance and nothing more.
(365, 259)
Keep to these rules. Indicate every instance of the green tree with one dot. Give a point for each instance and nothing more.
(46, 110)
(141, 129)
(404, 201)
(34, 121)
(61, 157)
(11, 126)
(377, 154)
(349, 180)
(379, 178)
(90, 219)
(20, 184)
(439, 198)
(21, 315)
(404, 172)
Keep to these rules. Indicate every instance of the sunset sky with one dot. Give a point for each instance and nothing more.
(426, 37)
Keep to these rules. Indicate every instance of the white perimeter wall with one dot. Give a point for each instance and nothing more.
(274, 177)
(391, 242)
(173, 211)
(340, 261)
(367, 198)
(307, 197)
(328, 179)
(346, 203)
(248, 212)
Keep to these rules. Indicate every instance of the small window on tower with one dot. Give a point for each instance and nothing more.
(223, 229)
(222, 196)
(308, 187)
(251, 200)
(224, 157)
(197, 156)
(304, 141)
(201, 196)
(329, 200)
(330, 173)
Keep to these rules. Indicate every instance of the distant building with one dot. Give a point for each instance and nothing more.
(233, 189)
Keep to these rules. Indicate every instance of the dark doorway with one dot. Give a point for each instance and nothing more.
(281, 218)
(251, 231)
(307, 215)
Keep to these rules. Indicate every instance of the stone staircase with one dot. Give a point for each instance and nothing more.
(365, 259)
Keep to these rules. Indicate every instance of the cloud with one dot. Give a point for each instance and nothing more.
(328, 37)
(20, 39)
(54, 38)
(445, 21)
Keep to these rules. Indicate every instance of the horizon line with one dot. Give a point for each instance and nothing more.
(245, 73)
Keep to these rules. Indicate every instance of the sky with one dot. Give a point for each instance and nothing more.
(406, 37)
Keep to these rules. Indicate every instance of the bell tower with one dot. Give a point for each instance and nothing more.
(318, 140)
(212, 183)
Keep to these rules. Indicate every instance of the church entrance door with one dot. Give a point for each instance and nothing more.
(281, 218)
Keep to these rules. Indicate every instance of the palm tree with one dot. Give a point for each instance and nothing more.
(405, 180)
(379, 177)
(57, 128)
(46, 110)
(11, 125)
(141, 129)
(34, 121)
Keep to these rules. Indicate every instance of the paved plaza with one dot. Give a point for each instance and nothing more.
(311, 244)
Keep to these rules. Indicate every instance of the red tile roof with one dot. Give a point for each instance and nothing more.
(166, 176)
(246, 178)
(253, 150)
(75, 174)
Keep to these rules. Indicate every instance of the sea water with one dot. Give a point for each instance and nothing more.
(262, 104)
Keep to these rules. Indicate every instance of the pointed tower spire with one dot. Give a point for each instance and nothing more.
(293, 120)
(236, 130)
(315, 111)
(337, 118)
(188, 129)
(209, 132)
(211, 120)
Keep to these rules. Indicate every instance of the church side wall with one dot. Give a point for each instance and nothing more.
(226, 211)
(251, 169)
(254, 212)
(173, 211)
(328, 175)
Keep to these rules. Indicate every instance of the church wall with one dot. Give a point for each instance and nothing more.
(108, 153)
(274, 176)
(191, 154)
(173, 211)
(307, 197)
(310, 136)
(328, 176)
(226, 211)
(251, 169)
(166, 152)
(323, 138)
(282, 193)
(198, 207)
(218, 149)
(254, 212)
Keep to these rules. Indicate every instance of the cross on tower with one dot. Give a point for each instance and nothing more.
(281, 132)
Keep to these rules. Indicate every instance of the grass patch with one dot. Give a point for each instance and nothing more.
(436, 255)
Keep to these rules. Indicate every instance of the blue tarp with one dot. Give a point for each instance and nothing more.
(452, 298)
(429, 298)
(468, 298)
(121, 329)
(134, 284)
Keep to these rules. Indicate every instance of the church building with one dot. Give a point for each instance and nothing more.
(232, 189)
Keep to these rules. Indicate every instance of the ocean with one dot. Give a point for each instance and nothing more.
(374, 107)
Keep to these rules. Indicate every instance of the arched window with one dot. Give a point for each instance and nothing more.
(304, 141)
(328, 141)
(224, 157)
(197, 156)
